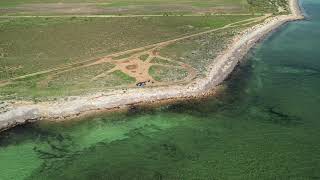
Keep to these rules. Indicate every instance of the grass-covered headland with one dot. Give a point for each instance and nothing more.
(56, 54)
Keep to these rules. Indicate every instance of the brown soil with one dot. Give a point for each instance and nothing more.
(131, 67)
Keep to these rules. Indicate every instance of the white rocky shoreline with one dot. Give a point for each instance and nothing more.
(224, 64)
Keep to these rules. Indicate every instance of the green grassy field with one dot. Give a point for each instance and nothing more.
(123, 6)
(167, 74)
(275, 6)
(163, 61)
(31, 45)
(45, 57)
(199, 51)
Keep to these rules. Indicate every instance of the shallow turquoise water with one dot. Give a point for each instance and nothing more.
(265, 125)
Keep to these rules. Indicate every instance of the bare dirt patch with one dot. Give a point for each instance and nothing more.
(131, 67)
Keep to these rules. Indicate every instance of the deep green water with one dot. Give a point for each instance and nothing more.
(265, 125)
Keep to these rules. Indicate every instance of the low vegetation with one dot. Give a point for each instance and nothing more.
(144, 57)
(121, 7)
(157, 60)
(124, 78)
(167, 73)
(32, 45)
(199, 51)
(269, 6)
(48, 57)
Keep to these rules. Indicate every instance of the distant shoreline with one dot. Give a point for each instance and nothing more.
(224, 64)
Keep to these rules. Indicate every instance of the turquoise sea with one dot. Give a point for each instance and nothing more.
(264, 125)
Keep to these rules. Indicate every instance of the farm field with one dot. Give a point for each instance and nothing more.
(46, 57)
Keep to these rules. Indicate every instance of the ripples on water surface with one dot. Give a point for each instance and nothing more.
(265, 125)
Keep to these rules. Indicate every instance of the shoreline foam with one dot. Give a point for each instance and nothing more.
(225, 63)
